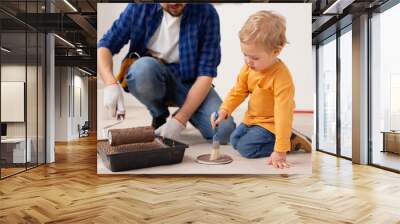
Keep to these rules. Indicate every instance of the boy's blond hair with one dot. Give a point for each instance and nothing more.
(264, 28)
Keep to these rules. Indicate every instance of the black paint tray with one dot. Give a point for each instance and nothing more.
(166, 152)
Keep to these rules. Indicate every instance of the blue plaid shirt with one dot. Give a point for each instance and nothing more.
(199, 38)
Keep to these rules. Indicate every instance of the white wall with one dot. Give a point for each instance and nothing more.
(82, 82)
(33, 127)
(16, 72)
(79, 117)
(314, 74)
(297, 54)
(61, 103)
(68, 82)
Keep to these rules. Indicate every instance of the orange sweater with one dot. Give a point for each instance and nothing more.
(271, 101)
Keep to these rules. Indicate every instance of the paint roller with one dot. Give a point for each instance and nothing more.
(124, 136)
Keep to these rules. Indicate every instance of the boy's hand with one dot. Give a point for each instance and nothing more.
(222, 115)
(278, 160)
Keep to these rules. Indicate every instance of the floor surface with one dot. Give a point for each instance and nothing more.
(138, 116)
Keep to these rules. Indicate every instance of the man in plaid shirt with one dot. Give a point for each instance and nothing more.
(180, 48)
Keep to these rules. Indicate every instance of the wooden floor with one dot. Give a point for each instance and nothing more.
(70, 191)
(10, 171)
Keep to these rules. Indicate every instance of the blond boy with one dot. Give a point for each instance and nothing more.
(267, 125)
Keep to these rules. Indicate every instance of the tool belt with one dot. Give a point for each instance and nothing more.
(126, 63)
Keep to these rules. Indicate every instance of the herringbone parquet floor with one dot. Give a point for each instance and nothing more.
(70, 191)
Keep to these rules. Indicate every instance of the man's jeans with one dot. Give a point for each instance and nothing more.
(152, 83)
(253, 141)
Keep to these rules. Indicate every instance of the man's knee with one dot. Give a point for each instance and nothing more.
(225, 130)
(229, 125)
(144, 65)
(142, 76)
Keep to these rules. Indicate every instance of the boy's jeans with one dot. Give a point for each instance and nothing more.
(253, 141)
(152, 83)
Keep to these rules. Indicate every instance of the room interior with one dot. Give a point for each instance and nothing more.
(355, 161)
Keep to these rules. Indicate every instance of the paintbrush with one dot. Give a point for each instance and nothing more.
(215, 141)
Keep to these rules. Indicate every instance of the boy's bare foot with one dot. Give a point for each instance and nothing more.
(299, 141)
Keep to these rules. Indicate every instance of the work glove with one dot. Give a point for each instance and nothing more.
(113, 100)
(171, 129)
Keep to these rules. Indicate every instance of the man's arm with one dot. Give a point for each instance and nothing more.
(209, 59)
(195, 97)
(105, 65)
(112, 41)
(113, 99)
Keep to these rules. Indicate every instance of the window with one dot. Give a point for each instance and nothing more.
(346, 93)
(22, 75)
(385, 89)
(327, 96)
